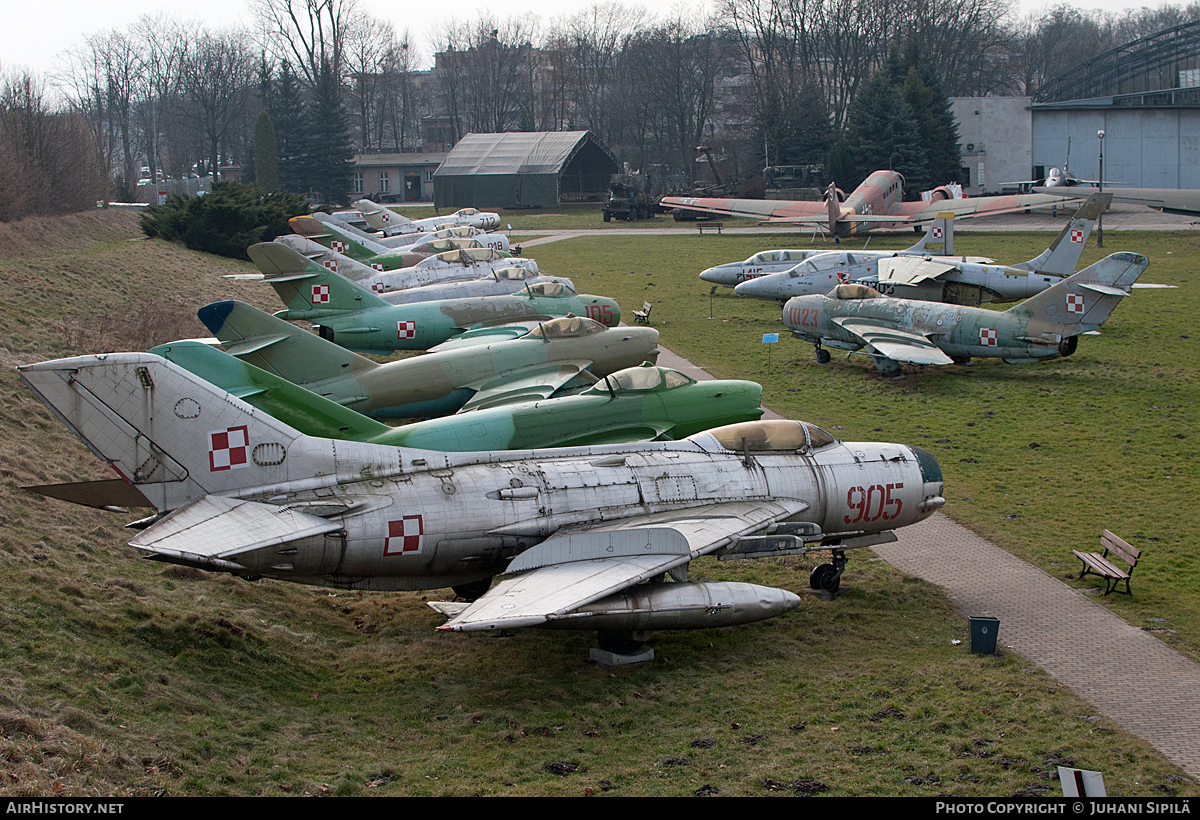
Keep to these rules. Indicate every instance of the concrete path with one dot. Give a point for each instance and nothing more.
(1137, 681)
(1140, 683)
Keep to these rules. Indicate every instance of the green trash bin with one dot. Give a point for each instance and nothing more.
(983, 635)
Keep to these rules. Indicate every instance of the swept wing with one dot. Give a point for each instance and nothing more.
(579, 565)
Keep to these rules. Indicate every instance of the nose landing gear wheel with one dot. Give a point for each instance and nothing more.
(822, 356)
(825, 577)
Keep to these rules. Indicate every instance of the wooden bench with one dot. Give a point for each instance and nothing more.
(1101, 565)
(643, 315)
(710, 226)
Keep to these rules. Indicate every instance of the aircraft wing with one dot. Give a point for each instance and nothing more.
(911, 270)
(526, 385)
(579, 565)
(1170, 200)
(898, 345)
(993, 205)
(213, 530)
(769, 209)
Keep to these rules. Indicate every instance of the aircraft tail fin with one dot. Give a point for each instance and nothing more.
(335, 257)
(379, 217)
(171, 434)
(279, 347)
(939, 233)
(307, 288)
(293, 405)
(359, 245)
(1086, 299)
(1062, 257)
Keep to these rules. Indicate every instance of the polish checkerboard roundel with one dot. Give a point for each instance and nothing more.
(406, 330)
(404, 536)
(338, 245)
(378, 286)
(1074, 303)
(228, 449)
(331, 264)
(936, 233)
(320, 294)
(987, 336)
(1076, 235)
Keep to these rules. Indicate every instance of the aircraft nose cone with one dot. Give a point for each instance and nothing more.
(751, 287)
(710, 275)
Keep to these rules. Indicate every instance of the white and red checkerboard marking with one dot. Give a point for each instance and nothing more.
(936, 233)
(378, 286)
(1074, 303)
(406, 330)
(1076, 235)
(385, 217)
(320, 294)
(228, 449)
(331, 264)
(405, 536)
(987, 336)
(338, 245)
(377, 266)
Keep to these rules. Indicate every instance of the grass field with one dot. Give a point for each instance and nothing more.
(122, 676)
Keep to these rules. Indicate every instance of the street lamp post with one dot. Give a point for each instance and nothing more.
(1100, 218)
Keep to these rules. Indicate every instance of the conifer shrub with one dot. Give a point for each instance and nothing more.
(227, 221)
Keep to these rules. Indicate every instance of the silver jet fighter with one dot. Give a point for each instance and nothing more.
(319, 224)
(449, 266)
(1046, 326)
(391, 223)
(938, 240)
(585, 535)
(959, 281)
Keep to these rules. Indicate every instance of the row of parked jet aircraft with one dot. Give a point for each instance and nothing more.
(885, 303)
(264, 453)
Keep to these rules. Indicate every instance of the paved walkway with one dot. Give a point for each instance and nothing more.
(1140, 683)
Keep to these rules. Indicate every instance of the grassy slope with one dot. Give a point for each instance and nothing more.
(121, 676)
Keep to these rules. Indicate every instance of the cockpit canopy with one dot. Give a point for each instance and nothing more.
(466, 212)
(854, 291)
(555, 288)
(566, 327)
(778, 434)
(467, 255)
(513, 274)
(823, 262)
(640, 379)
(773, 257)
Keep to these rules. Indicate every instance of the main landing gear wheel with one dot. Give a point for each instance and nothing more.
(961, 359)
(822, 356)
(473, 591)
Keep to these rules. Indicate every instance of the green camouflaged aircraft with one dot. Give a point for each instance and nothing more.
(645, 403)
(482, 368)
(358, 319)
(362, 246)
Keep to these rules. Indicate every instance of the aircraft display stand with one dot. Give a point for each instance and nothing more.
(604, 657)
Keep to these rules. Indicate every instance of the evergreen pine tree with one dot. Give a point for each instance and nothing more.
(286, 107)
(330, 150)
(266, 152)
(881, 132)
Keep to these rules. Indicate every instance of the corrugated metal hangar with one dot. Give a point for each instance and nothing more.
(1144, 96)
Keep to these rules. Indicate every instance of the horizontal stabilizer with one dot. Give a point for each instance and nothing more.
(109, 492)
(214, 527)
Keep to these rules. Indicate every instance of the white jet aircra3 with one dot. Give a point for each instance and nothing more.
(585, 536)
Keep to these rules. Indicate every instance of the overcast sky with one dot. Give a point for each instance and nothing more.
(36, 35)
